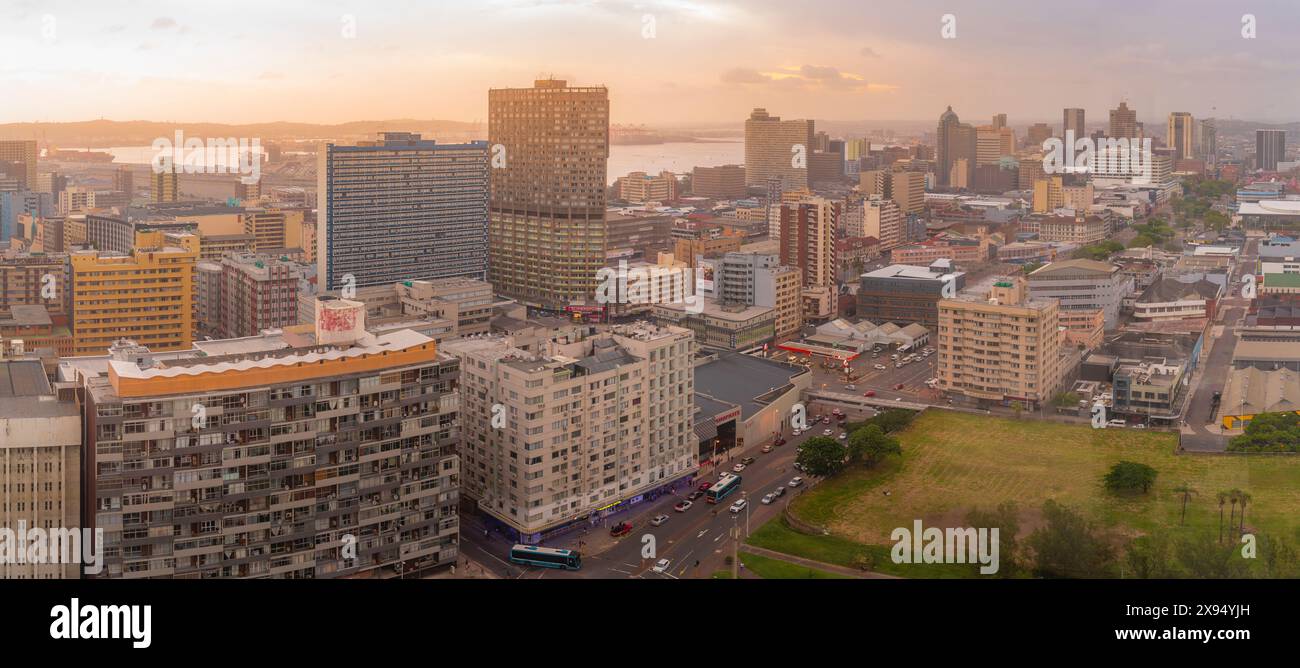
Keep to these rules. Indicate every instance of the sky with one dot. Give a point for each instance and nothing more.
(666, 62)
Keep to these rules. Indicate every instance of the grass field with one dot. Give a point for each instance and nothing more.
(953, 462)
(775, 569)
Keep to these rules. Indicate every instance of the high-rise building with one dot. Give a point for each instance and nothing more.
(808, 232)
(146, 296)
(401, 208)
(1073, 119)
(883, 219)
(641, 188)
(550, 149)
(992, 143)
(21, 153)
(124, 180)
(759, 279)
(904, 294)
(1048, 193)
(1123, 122)
(954, 142)
(722, 182)
(1270, 148)
(591, 425)
(274, 456)
(1180, 135)
(1207, 146)
(274, 229)
(40, 469)
(1000, 348)
(164, 185)
(1085, 285)
(257, 292)
(35, 279)
(999, 121)
(1037, 134)
(777, 149)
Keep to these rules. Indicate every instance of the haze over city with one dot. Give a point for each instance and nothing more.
(665, 62)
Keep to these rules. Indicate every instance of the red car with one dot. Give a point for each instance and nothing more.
(869, 393)
(621, 529)
(780, 442)
(898, 386)
(705, 485)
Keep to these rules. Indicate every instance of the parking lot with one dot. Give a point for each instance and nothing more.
(912, 376)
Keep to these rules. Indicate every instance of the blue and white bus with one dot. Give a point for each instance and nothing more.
(546, 557)
(725, 485)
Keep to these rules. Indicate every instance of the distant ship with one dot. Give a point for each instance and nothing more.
(79, 155)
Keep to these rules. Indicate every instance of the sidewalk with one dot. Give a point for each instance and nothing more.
(465, 568)
(819, 565)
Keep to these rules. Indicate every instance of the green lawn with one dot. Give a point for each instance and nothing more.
(953, 462)
(775, 569)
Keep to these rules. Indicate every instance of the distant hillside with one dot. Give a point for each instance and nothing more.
(104, 133)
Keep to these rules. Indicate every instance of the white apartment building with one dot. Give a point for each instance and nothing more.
(591, 425)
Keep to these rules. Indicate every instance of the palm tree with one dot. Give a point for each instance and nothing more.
(1234, 495)
(1223, 498)
(1241, 521)
(1187, 491)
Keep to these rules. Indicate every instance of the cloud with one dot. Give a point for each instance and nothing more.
(868, 52)
(164, 23)
(741, 75)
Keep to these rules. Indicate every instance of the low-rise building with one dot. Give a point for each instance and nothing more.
(1083, 285)
(904, 294)
(720, 326)
(1173, 299)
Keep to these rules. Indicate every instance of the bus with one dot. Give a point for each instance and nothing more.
(725, 485)
(546, 557)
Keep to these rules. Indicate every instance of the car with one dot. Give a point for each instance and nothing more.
(738, 468)
(850, 387)
(898, 365)
(658, 520)
(880, 367)
(869, 393)
(827, 432)
(738, 506)
(620, 529)
(1139, 426)
(795, 481)
(747, 461)
(767, 499)
(704, 486)
(826, 419)
(1116, 423)
(798, 466)
(778, 492)
(779, 442)
(796, 432)
(661, 566)
(766, 449)
(898, 386)
(894, 356)
(844, 435)
(694, 495)
(683, 506)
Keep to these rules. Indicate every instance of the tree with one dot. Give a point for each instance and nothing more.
(1068, 546)
(1066, 399)
(869, 445)
(1152, 556)
(1006, 518)
(1223, 498)
(1244, 498)
(1234, 495)
(1186, 491)
(1129, 477)
(1269, 432)
(1203, 558)
(822, 456)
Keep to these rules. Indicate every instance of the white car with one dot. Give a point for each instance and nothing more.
(880, 367)
(768, 498)
(661, 565)
(850, 387)
(844, 435)
(796, 481)
(738, 506)
(827, 432)
(738, 468)
(658, 520)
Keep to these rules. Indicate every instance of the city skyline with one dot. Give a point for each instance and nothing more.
(827, 60)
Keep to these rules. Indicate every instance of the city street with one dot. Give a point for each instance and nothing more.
(701, 534)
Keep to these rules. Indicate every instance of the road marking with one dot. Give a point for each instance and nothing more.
(701, 533)
(621, 571)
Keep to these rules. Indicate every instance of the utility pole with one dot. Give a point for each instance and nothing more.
(735, 549)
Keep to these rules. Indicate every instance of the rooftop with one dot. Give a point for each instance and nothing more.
(744, 380)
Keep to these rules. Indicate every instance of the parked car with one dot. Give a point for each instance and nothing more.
(766, 449)
(827, 432)
(704, 486)
(694, 495)
(620, 529)
(683, 506)
(798, 466)
(795, 481)
(747, 461)
(658, 520)
(738, 468)
(738, 506)
(844, 435)
(661, 565)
